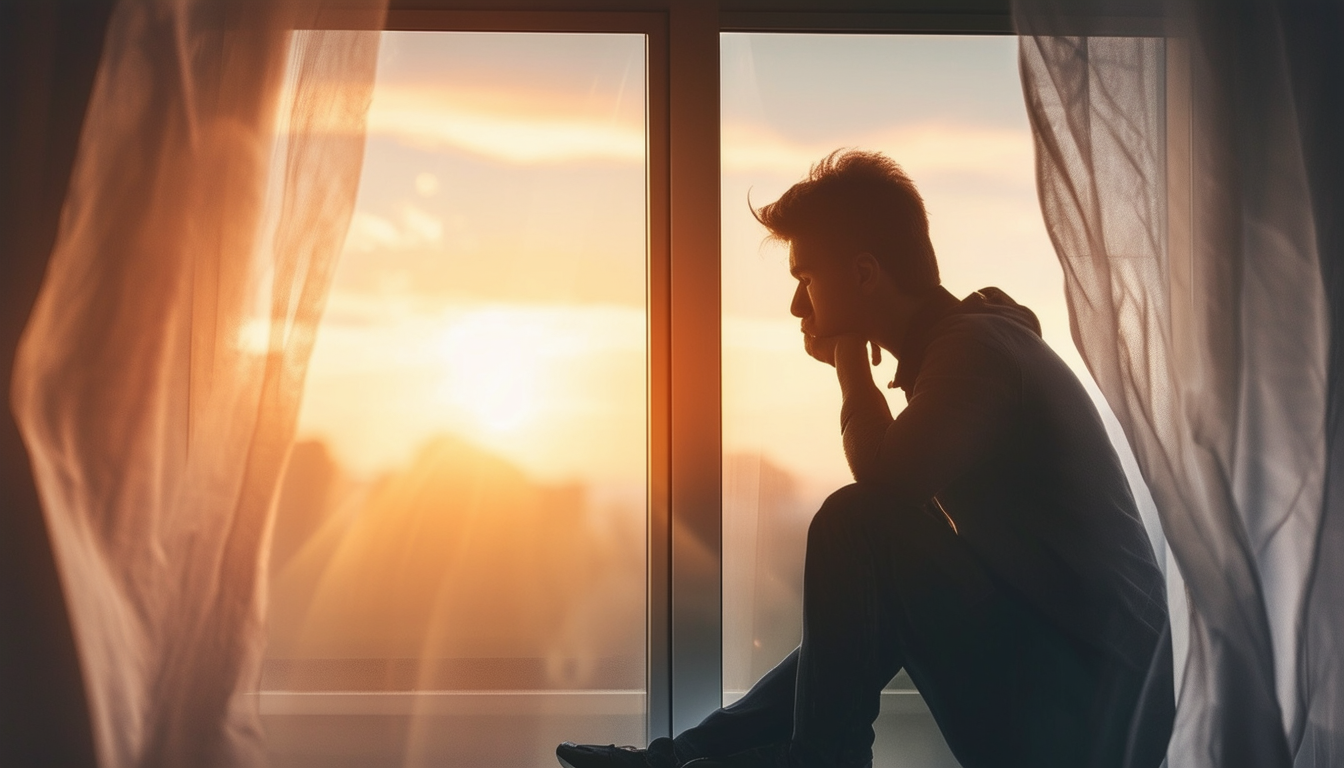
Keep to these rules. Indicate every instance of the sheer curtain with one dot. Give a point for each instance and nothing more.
(1191, 190)
(157, 381)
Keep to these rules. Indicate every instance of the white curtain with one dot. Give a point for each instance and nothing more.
(1187, 176)
(158, 379)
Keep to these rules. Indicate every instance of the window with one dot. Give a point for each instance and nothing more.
(571, 188)
(459, 555)
(949, 109)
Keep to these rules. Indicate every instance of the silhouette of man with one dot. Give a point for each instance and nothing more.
(989, 546)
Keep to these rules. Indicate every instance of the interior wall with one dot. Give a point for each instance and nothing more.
(49, 52)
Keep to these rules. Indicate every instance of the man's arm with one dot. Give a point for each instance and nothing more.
(864, 413)
(966, 397)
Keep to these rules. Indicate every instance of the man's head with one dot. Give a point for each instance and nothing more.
(856, 212)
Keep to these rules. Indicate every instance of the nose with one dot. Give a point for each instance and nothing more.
(802, 303)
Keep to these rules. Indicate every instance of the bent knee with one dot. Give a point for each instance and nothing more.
(851, 508)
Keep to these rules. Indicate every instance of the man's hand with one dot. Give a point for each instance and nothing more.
(846, 347)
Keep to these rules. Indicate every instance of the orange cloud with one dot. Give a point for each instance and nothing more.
(923, 149)
(513, 126)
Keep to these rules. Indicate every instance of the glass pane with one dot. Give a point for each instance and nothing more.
(458, 574)
(949, 110)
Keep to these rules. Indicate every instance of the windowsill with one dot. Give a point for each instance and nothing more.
(572, 702)
(439, 703)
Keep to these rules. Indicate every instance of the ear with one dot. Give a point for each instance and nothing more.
(867, 270)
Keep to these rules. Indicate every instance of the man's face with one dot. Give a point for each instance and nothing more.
(827, 298)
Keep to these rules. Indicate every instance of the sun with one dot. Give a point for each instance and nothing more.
(494, 360)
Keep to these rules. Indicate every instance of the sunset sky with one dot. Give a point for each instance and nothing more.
(493, 280)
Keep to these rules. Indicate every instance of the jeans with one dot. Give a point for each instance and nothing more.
(888, 587)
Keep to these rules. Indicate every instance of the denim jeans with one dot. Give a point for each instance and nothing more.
(888, 587)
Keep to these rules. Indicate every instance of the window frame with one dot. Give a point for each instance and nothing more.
(684, 532)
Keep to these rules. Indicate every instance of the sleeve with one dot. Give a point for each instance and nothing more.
(963, 405)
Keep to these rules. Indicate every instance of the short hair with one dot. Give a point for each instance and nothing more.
(860, 201)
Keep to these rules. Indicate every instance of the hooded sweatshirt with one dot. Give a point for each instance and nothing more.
(1000, 438)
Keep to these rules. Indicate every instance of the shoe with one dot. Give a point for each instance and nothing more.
(658, 755)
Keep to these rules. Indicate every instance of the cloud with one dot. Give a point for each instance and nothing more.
(419, 226)
(923, 150)
(523, 128)
(413, 227)
(541, 330)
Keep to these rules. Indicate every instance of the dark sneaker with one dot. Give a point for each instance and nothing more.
(658, 755)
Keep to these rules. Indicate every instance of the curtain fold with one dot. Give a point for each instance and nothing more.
(1312, 37)
(1181, 182)
(158, 380)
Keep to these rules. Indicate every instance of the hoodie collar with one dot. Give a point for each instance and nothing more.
(940, 304)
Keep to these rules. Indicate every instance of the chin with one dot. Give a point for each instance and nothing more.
(824, 331)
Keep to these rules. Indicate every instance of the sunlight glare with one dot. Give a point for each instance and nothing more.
(493, 372)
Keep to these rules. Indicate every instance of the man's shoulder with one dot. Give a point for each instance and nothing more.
(970, 348)
(986, 343)
(1003, 334)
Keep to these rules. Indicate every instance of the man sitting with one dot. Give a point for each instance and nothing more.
(989, 546)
